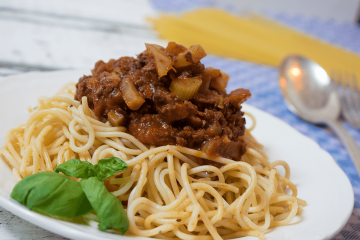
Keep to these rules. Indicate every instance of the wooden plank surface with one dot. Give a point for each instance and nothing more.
(49, 35)
(120, 11)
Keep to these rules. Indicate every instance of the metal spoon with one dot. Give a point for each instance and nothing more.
(309, 93)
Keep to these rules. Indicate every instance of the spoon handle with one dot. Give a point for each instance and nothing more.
(348, 141)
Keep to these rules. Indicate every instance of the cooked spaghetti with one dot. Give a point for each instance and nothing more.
(168, 194)
(194, 172)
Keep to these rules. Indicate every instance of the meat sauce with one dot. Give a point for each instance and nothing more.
(136, 93)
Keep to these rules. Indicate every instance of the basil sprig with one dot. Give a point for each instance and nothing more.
(80, 169)
(58, 195)
(76, 168)
(108, 167)
(52, 193)
(107, 207)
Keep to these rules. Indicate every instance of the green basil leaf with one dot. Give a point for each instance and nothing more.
(52, 193)
(76, 168)
(108, 208)
(108, 167)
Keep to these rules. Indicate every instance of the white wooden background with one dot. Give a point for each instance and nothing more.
(58, 34)
(43, 35)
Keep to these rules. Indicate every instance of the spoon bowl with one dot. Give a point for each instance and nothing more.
(309, 93)
(308, 90)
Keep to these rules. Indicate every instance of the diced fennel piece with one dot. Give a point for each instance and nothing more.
(185, 88)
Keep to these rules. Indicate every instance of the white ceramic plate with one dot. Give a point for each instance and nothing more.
(318, 178)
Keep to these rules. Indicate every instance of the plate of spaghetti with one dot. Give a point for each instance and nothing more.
(153, 147)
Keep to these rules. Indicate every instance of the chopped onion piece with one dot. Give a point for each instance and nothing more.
(113, 77)
(197, 52)
(214, 129)
(130, 94)
(175, 48)
(116, 119)
(220, 103)
(206, 80)
(210, 147)
(185, 88)
(220, 83)
(182, 61)
(238, 96)
(215, 73)
(192, 56)
(163, 62)
(209, 74)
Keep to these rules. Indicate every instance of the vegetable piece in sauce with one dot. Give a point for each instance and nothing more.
(116, 119)
(221, 81)
(185, 88)
(190, 57)
(197, 52)
(175, 48)
(163, 62)
(209, 74)
(214, 73)
(206, 80)
(130, 94)
(238, 96)
(214, 129)
(220, 103)
(182, 61)
(210, 147)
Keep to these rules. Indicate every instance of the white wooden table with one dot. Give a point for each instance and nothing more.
(63, 34)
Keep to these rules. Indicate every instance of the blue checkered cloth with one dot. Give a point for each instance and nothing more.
(262, 81)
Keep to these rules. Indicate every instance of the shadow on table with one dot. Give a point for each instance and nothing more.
(351, 231)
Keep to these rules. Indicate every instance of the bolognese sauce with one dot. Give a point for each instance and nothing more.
(166, 96)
